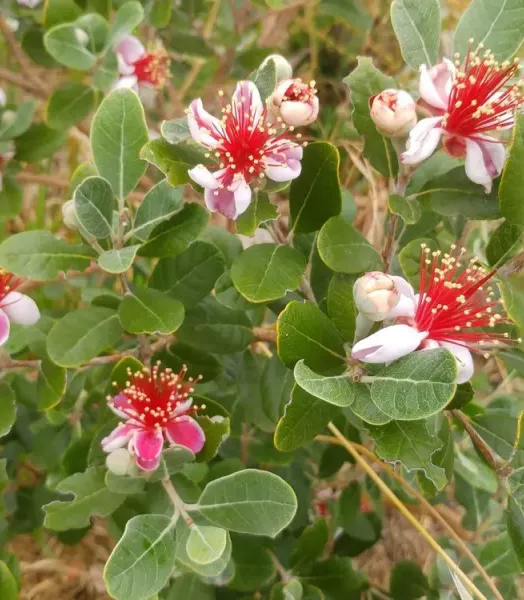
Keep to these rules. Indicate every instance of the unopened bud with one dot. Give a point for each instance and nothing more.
(8, 117)
(119, 461)
(393, 112)
(375, 295)
(81, 36)
(69, 215)
(283, 69)
(3, 98)
(295, 102)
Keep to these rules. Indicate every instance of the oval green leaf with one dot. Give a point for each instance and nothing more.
(150, 311)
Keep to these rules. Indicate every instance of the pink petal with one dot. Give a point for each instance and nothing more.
(20, 309)
(183, 407)
(423, 140)
(4, 327)
(147, 445)
(119, 402)
(231, 201)
(285, 165)
(485, 158)
(204, 177)
(118, 437)
(464, 361)
(185, 431)
(247, 99)
(130, 48)
(435, 84)
(204, 127)
(388, 344)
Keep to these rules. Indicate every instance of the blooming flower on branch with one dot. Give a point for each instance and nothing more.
(393, 112)
(452, 309)
(138, 67)
(14, 306)
(155, 404)
(247, 146)
(467, 101)
(295, 102)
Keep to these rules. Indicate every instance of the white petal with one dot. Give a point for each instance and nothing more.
(247, 97)
(128, 81)
(286, 165)
(363, 326)
(130, 48)
(3, 98)
(406, 307)
(124, 68)
(484, 160)
(464, 361)
(388, 344)
(423, 140)
(203, 177)
(20, 309)
(5, 327)
(204, 127)
(242, 195)
(435, 84)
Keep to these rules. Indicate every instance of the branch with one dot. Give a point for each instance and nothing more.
(265, 334)
(402, 508)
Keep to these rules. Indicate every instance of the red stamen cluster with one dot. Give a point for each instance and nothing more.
(8, 283)
(151, 397)
(454, 302)
(153, 68)
(246, 140)
(481, 99)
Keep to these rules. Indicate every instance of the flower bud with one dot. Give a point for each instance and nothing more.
(375, 295)
(8, 117)
(81, 36)
(119, 461)
(283, 68)
(69, 215)
(294, 102)
(393, 112)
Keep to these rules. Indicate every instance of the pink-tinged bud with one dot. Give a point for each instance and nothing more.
(120, 461)
(375, 295)
(294, 102)
(393, 112)
(282, 67)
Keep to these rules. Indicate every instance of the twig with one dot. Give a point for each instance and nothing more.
(402, 508)
(481, 444)
(20, 82)
(429, 508)
(265, 334)
(178, 504)
(387, 253)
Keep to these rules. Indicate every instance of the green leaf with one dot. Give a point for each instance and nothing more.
(499, 430)
(305, 417)
(511, 206)
(83, 334)
(515, 527)
(123, 484)
(191, 275)
(260, 210)
(33, 45)
(304, 332)
(94, 204)
(159, 204)
(454, 193)
(96, 28)
(511, 290)
(39, 255)
(118, 133)
(498, 24)
(175, 131)
(463, 395)
(197, 361)
(364, 407)
(515, 483)
(409, 258)
(91, 498)
(20, 123)
(118, 260)
(416, 386)
(60, 11)
(408, 581)
(311, 544)
(417, 27)
(69, 104)
(409, 209)
(142, 561)
(107, 71)
(249, 501)
(504, 243)
(475, 472)
(7, 408)
(338, 390)
(265, 78)
(254, 567)
(475, 501)
(8, 585)
(63, 44)
(173, 160)
(174, 235)
(216, 328)
(216, 430)
(336, 577)
(189, 585)
(51, 384)
(363, 82)
(191, 44)
(315, 195)
(410, 443)
(128, 16)
(341, 305)
(38, 142)
(265, 272)
(206, 544)
(150, 311)
(344, 249)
